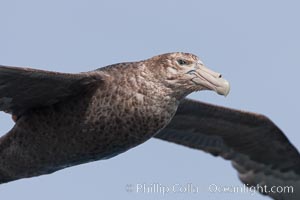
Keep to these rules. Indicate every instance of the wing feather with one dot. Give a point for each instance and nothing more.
(22, 89)
(258, 149)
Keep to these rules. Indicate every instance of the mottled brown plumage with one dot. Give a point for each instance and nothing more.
(68, 119)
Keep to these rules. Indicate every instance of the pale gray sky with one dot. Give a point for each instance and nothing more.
(255, 44)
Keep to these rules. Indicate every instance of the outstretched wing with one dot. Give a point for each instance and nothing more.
(258, 149)
(22, 89)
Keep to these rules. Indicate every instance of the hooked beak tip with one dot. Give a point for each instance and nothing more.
(210, 80)
(223, 88)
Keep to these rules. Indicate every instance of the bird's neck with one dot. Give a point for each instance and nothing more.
(141, 90)
(136, 81)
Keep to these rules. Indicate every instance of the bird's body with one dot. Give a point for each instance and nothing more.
(115, 116)
(67, 119)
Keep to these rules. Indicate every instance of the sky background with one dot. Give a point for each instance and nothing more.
(254, 44)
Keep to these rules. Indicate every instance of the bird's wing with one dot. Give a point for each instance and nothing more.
(22, 89)
(258, 149)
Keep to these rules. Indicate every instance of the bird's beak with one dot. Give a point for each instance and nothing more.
(210, 80)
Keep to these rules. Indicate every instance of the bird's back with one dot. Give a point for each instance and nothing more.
(82, 128)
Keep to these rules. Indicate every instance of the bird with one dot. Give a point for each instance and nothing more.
(63, 120)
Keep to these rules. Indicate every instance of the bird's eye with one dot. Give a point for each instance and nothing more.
(181, 62)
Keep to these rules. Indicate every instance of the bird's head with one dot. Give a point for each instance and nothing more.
(185, 73)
